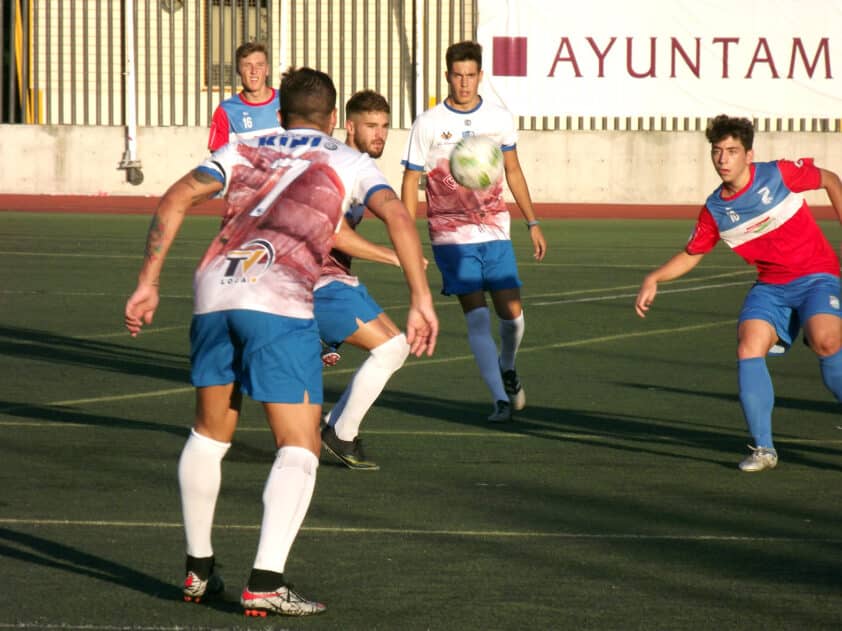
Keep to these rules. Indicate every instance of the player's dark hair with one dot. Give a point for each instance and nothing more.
(247, 48)
(307, 95)
(366, 101)
(463, 51)
(723, 126)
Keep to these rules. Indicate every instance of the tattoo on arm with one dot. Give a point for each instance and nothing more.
(154, 238)
(202, 178)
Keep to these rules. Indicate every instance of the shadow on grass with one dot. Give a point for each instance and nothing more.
(58, 556)
(631, 433)
(122, 358)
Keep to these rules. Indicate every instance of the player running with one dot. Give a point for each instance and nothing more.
(759, 212)
(253, 320)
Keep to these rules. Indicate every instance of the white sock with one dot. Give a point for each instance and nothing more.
(199, 478)
(485, 351)
(511, 334)
(366, 385)
(286, 499)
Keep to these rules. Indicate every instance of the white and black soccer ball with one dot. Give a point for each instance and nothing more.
(476, 162)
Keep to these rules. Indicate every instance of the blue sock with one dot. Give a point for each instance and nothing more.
(757, 398)
(832, 373)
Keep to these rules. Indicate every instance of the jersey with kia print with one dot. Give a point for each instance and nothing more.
(286, 196)
(455, 214)
(769, 224)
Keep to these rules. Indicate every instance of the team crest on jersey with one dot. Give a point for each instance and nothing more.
(248, 263)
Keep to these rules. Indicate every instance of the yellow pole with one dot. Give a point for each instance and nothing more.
(25, 104)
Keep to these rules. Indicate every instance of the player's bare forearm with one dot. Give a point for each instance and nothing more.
(191, 189)
(355, 245)
(833, 187)
(409, 191)
(676, 267)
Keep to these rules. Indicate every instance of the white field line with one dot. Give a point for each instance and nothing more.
(420, 532)
(422, 362)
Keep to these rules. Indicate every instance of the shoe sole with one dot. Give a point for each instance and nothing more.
(518, 400)
(351, 465)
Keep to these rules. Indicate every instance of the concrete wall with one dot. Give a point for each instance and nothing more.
(561, 166)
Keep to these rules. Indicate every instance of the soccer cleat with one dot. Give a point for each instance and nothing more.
(330, 354)
(517, 397)
(349, 452)
(195, 589)
(759, 459)
(283, 601)
(502, 412)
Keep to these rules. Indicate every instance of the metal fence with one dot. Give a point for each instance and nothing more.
(63, 62)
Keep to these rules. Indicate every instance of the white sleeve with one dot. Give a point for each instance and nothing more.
(415, 153)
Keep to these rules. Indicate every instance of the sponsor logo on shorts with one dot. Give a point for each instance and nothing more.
(834, 302)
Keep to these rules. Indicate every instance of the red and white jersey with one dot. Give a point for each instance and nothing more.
(337, 265)
(769, 224)
(455, 214)
(286, 198)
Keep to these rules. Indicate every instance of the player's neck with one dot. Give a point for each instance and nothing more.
(257, 96)
(463, 107)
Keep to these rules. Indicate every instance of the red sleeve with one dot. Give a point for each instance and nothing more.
(800, 175)
(219, 130)
(705, 234)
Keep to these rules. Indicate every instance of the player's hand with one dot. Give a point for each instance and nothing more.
(422, 328)
(645, 297)
(538, 242)
(140, 308)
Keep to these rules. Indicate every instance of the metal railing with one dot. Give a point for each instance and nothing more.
(63, 61)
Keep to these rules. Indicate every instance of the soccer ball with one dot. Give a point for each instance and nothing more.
(476, 162)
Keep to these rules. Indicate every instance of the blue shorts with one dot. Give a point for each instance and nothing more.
(275, 359)
(471, 267)
(786, 307)
(337, 307)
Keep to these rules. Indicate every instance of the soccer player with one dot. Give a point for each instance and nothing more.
(345, 312)
(253, 330)
(759, 212)
(469, 230)
(254, 110)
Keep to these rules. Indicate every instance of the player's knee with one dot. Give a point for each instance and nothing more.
(825, 344)
(392, 354)
(479, 320)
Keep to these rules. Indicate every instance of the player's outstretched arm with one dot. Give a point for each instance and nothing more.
(351, 243)
(520, 191)
(422, 323)
(191, 189)
(409, 191)
(833, 186)
(676, 267)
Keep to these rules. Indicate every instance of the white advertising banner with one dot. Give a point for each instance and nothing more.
(762, 58)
